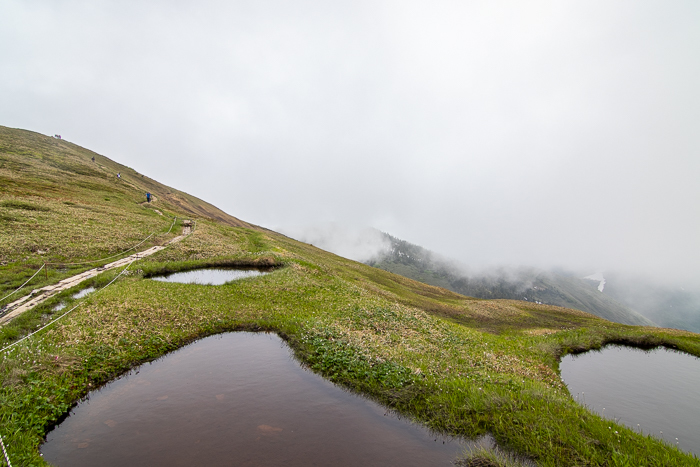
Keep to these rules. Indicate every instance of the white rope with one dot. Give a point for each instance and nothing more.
(7, 457)
(137, 257)
(30, 335)
(4, 451)
(84, 262)
(37, 272)
(64, 314)
(109, 257)
(171, 226)
(119, 254)
(122, 272)
(76, 306)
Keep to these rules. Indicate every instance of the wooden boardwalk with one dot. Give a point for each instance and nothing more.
(38, 296)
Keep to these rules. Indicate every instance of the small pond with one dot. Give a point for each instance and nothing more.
(238, 399)
(655, 391)
(209, 276)
(83, 293)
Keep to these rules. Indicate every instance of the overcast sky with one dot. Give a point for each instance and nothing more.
(522, 133)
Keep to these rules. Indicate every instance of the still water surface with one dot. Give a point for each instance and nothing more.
(237, 399)
(209, 276)
(658, 389)
(83, 293)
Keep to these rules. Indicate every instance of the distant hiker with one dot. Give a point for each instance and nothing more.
(119, 175)
(148, 197)
(93, 158)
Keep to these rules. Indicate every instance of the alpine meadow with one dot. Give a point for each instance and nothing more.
(458, 365)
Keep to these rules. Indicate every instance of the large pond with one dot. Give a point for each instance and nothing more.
(656, 392)
(238, 399)
(209, 276)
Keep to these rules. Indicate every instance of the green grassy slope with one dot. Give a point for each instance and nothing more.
(460, 365)
(58, 168)
(56, 205)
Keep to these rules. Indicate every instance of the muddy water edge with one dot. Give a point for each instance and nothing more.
(654, 392)
(238, 399)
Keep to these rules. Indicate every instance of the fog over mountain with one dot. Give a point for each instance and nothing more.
(621, 297)
(358, 243)
(509, 133)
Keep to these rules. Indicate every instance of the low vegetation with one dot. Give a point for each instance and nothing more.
(460, 365)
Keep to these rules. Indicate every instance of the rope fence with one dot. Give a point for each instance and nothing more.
(4, 452)
(2, 444)
(45, 265)
(76, 306)
(171, 226)
(20, 287)
(118, 254)
(64, 314)
(108, 257)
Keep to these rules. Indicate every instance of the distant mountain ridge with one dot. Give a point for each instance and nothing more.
(558, 288)
(671, 307)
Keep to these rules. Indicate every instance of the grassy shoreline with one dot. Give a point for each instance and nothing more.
(423, 363)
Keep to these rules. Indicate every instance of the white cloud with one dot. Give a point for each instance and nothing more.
(358, 243)
(542, 133)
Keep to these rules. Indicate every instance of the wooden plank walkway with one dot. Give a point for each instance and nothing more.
(38, 296)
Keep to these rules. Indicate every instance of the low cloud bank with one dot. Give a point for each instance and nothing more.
(357, 243)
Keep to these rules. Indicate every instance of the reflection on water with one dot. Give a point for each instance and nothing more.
(237, 399)
(655, 392)
(83, 293)
(209, 276)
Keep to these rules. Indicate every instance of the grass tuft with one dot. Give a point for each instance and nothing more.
(496, 457)
(14, 204)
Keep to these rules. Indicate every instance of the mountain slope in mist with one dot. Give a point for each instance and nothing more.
(671, 307)
(558, 288)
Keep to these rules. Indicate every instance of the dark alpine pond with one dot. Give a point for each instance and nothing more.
(209, 276)
(656, 392)
(238, 399)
